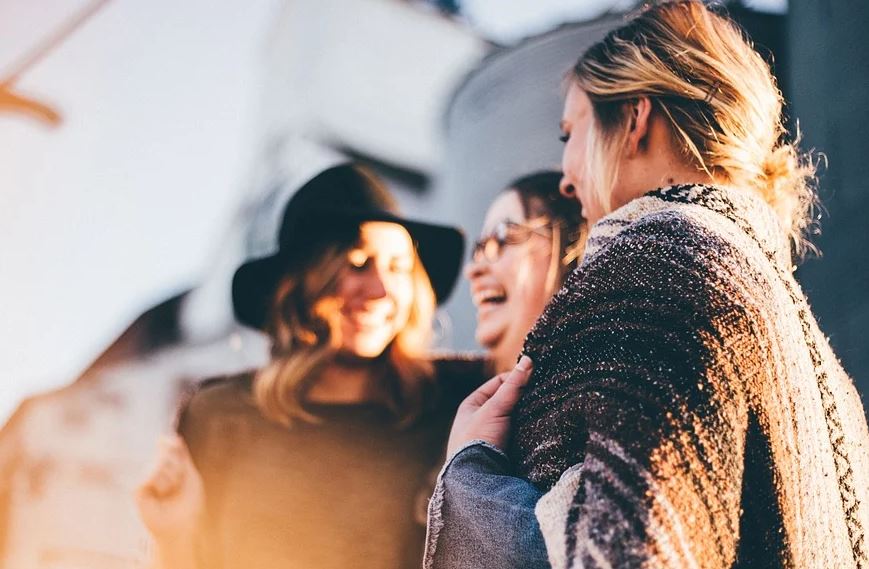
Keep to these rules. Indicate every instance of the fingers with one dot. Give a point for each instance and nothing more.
(484, 392)
(520, 374)
(501, 403)
(172, 466)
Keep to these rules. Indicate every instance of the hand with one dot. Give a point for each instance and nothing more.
(172, 499)
(485, 413)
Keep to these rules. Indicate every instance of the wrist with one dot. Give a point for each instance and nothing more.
(493, 440)
(176, 552)
(480, 444)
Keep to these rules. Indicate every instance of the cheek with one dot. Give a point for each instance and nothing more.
(524, 274)
(573, 159)
(400, 290)
(532, 288)
(347, 286)
(507, 268)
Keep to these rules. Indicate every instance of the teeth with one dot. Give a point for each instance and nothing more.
(368, 319)
(489, 295)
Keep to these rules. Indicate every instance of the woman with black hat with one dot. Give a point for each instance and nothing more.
(321, 458)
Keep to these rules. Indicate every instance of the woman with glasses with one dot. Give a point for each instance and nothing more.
(532, 238)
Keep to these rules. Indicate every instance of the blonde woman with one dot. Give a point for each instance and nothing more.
(684, 409)
(321, 458)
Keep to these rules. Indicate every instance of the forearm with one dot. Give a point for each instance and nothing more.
(483, 516)
(175, 555)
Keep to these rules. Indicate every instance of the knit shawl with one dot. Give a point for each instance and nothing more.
(685, 410)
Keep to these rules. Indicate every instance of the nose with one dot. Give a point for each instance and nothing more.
(476, 267)
(566, 189)
(373, 285)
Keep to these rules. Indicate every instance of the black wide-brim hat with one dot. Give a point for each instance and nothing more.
(329, 209)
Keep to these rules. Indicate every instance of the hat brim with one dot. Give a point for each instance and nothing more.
(440, 249)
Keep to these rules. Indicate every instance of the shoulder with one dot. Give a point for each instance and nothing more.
(669, 229)
(215, 401)
(220, 394)
(695, 226)
(663, 253)
(225, 389)
(666, 273)
(457, 375)
(460, 367)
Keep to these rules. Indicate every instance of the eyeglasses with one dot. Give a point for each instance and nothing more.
(506, 233)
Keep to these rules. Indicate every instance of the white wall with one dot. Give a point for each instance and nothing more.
(126, 200)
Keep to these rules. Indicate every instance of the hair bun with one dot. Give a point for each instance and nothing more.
(787, 183)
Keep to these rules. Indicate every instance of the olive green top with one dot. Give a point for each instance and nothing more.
(350, 491)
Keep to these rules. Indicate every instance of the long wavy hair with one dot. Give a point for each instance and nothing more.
(716, 92)
(306, 338)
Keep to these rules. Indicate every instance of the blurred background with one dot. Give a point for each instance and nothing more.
(146, 148)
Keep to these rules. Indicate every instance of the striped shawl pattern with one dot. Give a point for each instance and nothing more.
(685, 409)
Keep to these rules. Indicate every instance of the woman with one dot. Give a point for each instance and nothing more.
(684, 410)
(321, 458)
(532, 238)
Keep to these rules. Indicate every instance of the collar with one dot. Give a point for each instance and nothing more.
(743, 208)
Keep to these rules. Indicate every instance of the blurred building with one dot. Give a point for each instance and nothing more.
(501, 123)
(366, 79)
(70, 459)
(829, 90)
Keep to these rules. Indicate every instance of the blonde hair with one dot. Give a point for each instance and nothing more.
(718, 96)
(306, 335)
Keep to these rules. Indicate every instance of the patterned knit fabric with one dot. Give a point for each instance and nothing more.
(685, 409)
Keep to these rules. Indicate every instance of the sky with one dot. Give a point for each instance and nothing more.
(123, 204)
(507, 21)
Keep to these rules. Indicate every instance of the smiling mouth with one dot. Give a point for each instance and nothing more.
(368, 321)
(490, 297)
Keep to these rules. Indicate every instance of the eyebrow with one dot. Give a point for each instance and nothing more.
(508, 219)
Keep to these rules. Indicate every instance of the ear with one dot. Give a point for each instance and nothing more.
(640, 117)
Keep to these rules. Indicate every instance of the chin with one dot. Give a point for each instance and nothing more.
(503, 358)
(493, 346)
(368, 348)
(367, 352)
(487, 341)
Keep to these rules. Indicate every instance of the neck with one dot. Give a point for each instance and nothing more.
(347, 382)
(657, 163)
(504, 355)
(673, 174)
